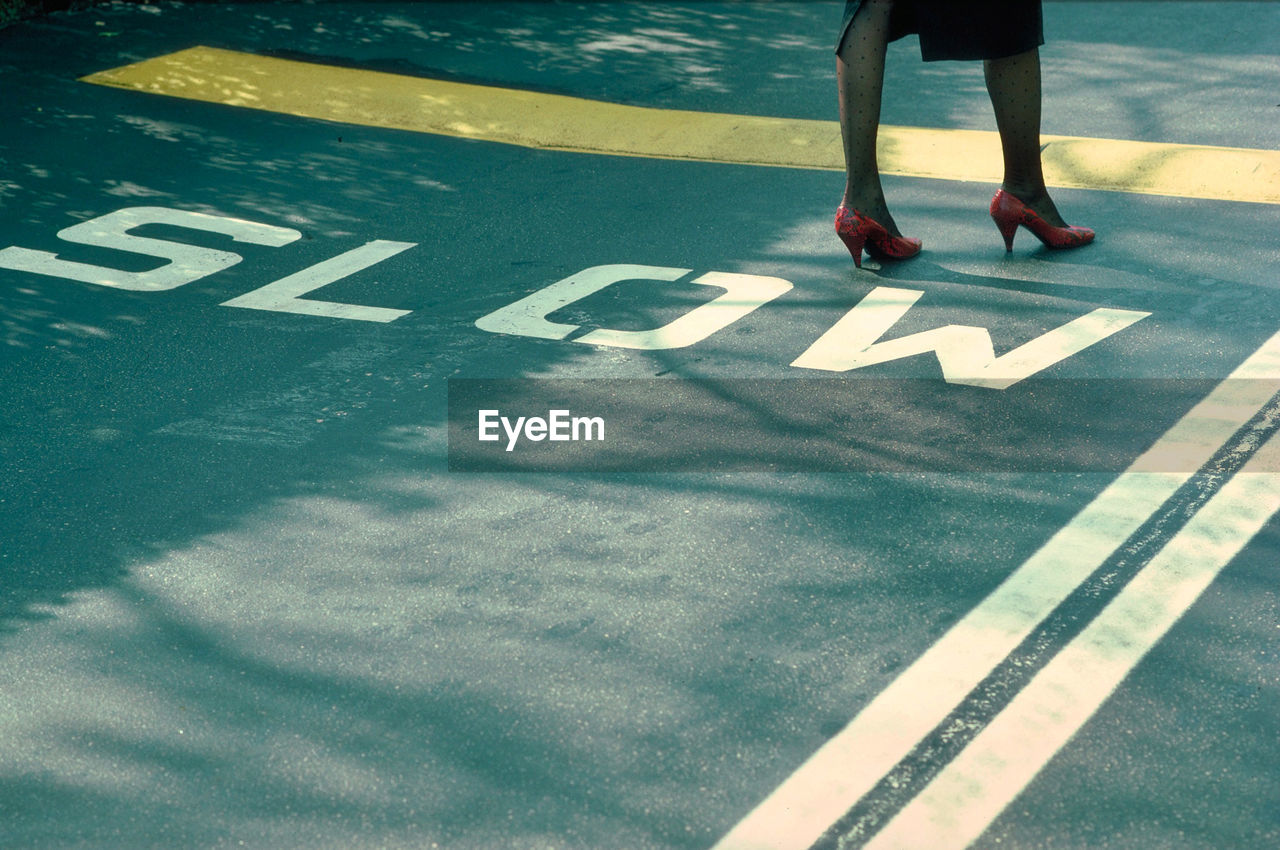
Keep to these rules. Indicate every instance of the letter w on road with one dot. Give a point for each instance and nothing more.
(964, 352)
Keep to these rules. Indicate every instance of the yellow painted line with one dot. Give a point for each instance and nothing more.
(557, 122)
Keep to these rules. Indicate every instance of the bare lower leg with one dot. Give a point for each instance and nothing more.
(1014, 86)
(859, 81)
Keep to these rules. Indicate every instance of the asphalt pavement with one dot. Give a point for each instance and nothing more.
(977, 549)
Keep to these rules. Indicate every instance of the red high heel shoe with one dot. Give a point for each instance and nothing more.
(1008, 213)
(858, 231)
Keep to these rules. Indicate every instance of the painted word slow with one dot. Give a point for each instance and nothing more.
(862, 337)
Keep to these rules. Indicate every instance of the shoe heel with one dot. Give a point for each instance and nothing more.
(852, 232)
(854, 241)
(1008, 229)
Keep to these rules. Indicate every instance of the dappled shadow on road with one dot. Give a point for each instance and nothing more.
(270, 612)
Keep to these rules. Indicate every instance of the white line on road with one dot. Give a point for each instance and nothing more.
(962, 801)
(285, 294)
(850, 764)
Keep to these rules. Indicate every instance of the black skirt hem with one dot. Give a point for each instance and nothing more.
(958, 30)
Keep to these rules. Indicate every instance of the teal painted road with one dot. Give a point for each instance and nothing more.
(246, 599)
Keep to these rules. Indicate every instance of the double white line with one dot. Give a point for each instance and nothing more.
(962, 800)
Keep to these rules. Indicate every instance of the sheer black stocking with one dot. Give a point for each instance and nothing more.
(860, 81)
(1014, 86)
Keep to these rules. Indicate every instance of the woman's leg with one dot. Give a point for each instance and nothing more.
(859, 80)
(1014, 86)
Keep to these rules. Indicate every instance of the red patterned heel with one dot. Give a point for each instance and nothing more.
(1009, 214)
(858, 231)
(1008, 229)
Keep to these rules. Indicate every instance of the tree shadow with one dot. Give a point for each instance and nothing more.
(272, 613)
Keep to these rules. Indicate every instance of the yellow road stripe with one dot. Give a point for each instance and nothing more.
(557, 122)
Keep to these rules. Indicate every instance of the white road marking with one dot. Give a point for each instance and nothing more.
(743, 293)
(976, 786)
(528, 316)
(187, 263)
(284, 295)
(965, 353)
(844, 769)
